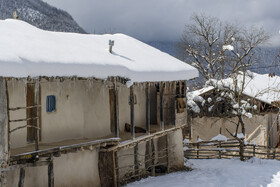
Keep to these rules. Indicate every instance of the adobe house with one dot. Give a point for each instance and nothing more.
(262, 128)
(66, 99)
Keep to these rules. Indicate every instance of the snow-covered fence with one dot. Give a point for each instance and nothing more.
(227, 149)
(149, 155)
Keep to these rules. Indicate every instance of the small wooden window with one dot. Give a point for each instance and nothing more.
(50, 104)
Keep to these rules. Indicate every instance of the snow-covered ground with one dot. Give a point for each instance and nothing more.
(220, 173)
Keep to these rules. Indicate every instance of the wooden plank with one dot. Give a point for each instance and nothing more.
(106, 166)
(21, 177)
(65, 149)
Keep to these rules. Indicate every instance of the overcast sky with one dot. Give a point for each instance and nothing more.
(164, 20)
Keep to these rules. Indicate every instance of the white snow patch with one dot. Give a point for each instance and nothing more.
(186, 141)
(240, 135)
(29, 51)
(219, 172)
(199, 140)
(228, 47)
(219, 137)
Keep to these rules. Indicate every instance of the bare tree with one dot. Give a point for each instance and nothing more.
(213, 46)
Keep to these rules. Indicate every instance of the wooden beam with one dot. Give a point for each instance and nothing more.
(21, 177)
(130, 144)
(132, 129)
(19, 166)
(148, 114)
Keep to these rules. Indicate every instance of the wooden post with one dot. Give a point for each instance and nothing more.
(108, 168)
(136, 162)
(38, 109)
(220, 153)
(274, 151)
(132, 129)
(180, 89)
(153, 157)
(148, 117)
(161, 107)
(167, 153)
(254, 150)
(116, 125)
(197, 151)
(21, 177)
(50, 173)
(6, 114)
(4, 129)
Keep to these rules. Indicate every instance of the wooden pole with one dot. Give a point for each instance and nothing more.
(153, 157)
(132, 129)
(148, 117)
(37, 100)
(50, 173)
(136, 162)
(161, 107)
(8, 117)
(220, 153)
(116, 169)
(167, 153)
(21, 177)
(116, 125)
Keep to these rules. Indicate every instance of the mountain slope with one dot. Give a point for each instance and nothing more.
(39, 14)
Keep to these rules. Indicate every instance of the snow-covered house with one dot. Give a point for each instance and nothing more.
(261, 124)
(63, 92)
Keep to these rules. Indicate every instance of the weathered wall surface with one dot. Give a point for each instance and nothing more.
(82, 109)
(73, 169)
(255, 128)
(17, 98)
(139, 107)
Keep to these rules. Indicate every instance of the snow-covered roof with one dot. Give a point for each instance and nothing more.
(259, 86)
(28, 51)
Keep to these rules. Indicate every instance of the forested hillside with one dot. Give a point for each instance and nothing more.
(39, 14)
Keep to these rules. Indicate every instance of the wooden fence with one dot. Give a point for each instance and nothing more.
(228, 149)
